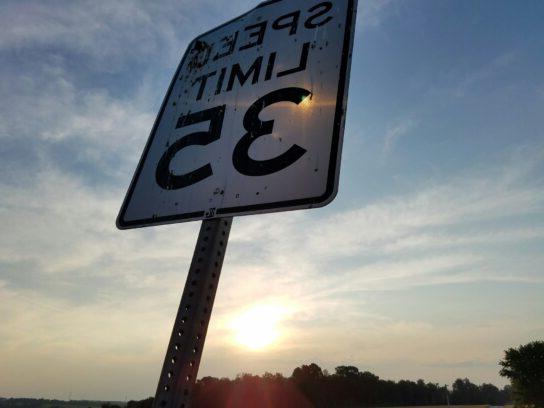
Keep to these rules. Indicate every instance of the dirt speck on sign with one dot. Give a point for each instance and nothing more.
(200, 55)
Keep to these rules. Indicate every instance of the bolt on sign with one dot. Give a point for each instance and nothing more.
(253, 120)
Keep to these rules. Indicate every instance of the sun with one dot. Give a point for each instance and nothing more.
(256, 328)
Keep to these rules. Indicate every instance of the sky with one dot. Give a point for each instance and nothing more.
(428, 264)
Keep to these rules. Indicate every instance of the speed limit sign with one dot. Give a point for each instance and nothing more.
(253, 120)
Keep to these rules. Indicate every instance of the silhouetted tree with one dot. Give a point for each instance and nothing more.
(110, 405)
(465, 393)
(524, 366)
(491, 395)
(307, 373)
(347, 372)
(310, 380)
(146, 403)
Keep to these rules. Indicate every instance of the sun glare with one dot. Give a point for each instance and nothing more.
(306, 101)
(256, 328)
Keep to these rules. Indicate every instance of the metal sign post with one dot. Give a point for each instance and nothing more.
(182, 359)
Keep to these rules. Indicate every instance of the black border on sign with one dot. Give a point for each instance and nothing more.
(339, 119)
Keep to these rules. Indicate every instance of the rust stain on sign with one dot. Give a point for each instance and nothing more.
(200, 55)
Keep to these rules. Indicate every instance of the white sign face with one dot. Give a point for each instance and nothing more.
(253, 120)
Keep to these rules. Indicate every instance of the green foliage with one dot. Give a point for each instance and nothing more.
(524, 366)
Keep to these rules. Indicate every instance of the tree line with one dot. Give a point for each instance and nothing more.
(311, 386)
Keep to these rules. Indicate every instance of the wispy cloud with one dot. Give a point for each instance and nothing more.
(84, 267)
(396, 131)
(439, 234)
(110, 35)
(372, 13)
(483, 73)
(87, 131)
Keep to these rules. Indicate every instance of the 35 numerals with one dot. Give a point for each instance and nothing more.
(244, 164)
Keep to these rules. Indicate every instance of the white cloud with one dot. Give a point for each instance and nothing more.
(109, 32)
(372, 13)
(396, 131)
(86, 345)
(459, 203)
(46, 111)
(112, 35)
(458, 226)
(483, 73)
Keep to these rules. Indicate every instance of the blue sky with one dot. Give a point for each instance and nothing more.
(427, 265)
